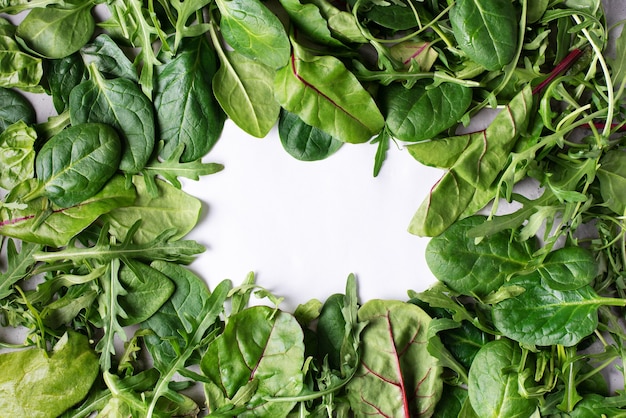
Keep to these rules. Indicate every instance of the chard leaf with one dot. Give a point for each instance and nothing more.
(252, 30)
(397, 376)
(244, 89)
(486, 30)
(545, 316)
(324, 94)
(259, 345)
(40, 384)
(170, 209)
(475, 268)
(61, 224)
(493, 382)
(121, 104)
(19, 265)
(13, 108)
(305, 142)
(422, 112)
(17, 154)
(187, 112)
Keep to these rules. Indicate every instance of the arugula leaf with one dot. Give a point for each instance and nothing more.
(19, 265)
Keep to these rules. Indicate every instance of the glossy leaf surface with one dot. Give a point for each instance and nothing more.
(13, 108)
(305, 142)
(17, 155)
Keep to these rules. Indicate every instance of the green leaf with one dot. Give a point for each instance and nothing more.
(486, 30)
(493, 382)
(324, 94)
(397, 377)
(260, 345)
(75, 164)
(422, 112)
(121, 104)
(331, 330)
(308, 19)
(170, 209)
(62, 224)
(17, 68)
(63, 75)
(244, 89)
(612, 178)
(568, 268)
(187, 112)
(475, 268)
(109, 58)
(545, 316)
(40, 384)
(18, 265)
(13, 108)
(45, 30)
(252, 30)
(305, 142)
(17, 154)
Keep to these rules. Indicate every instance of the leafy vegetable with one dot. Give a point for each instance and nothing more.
(14, 108)
(17, 143)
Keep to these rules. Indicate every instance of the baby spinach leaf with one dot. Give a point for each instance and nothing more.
(545, 316)
(343, 24)
(324, 94)
(244, 89)
(475, 170)
(493, 382)
(331, 330)
(62, 224)
(568, 268)
(422, 112)
(171, 209)
(121, 104)
(147, 289)
(252, 30)
(17, 68)
(397, 377)
(612, 178)
(305, 142)
(65, 74)
(40, 384)
(486, 30)
(13, 108)
(187, 112)
(259, 345)
(108, 58)
(17, 154)
(45, 29)
(76, 163)
(309, 20)
(475, 268)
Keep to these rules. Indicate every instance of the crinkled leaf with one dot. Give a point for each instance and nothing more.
(171, 209)
(493, 382)
(62, 224)
(108, 58)
(422, 112)
(187, 112)
(262, 345)
(17, 154)
(17, 68)
(486, 30)
(324, 94)
(305, 142)
(475, 268)
(13, 108)
(39, 384)
(397, 377)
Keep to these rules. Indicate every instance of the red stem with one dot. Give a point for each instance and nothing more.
(560, 68)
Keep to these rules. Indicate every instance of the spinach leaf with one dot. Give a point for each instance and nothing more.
(18, 265)
(308, 18)
(41, 384)
(18, 68)
(305, 142)
(13, 108)
(331, 330)
(262, 347)
(493, 382)
(60, 226)
(170, 209)
(486, 30)
(45, 30)
(324, 94)
(475, 268)
(120, 103)
(397, 375)
(187, 112)
(568, 268)
(612, 179)
(422, 112)
(17, 154)
(64, 74)
(109, 58)
(76, 163)
(252, 30)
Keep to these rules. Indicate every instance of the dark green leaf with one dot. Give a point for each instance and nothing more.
(13, 108)
(109, 58)
(305, 142)
(568, 268)
(64, 75)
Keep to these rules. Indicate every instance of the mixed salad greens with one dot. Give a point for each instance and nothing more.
(528, 315)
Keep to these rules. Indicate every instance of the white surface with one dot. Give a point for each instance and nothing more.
(304, 226)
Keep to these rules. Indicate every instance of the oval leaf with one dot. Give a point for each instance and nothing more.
(612, 178)
(305, 142)
(397, 376)
(17, 154)
(13, 108)
(18, 69)
(568, 268)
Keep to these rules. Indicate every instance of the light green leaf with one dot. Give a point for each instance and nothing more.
(17, 154)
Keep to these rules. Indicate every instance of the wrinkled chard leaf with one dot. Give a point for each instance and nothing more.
(397, 376)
